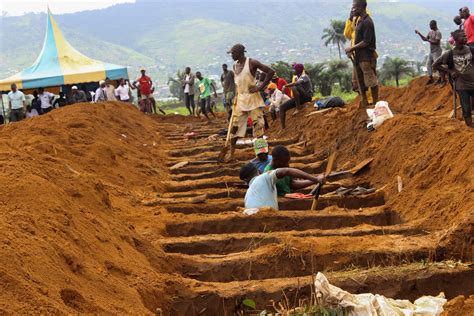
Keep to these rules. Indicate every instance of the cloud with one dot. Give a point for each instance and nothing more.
(20, 7)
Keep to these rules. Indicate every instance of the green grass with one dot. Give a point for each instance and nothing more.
(176, 107)
(405, 81)
(348, 97)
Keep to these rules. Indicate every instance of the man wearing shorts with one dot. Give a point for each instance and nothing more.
(363, 50)
(249, 102)
(146, 89)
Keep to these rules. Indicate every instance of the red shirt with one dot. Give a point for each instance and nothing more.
(145, 85)
(282, 82)
(469, 29)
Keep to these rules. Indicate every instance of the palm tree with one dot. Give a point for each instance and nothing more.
(396, 68)
(335, 34)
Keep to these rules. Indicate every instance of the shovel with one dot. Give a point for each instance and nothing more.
(352, 171)
(362, 94)
(317, 189)
(225, 149)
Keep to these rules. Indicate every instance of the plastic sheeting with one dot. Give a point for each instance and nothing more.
(376, 305)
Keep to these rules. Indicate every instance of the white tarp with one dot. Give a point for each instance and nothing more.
(374, 304)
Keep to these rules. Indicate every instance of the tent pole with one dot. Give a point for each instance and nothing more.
(3, 109)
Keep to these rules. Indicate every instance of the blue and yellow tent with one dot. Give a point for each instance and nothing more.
(61, 64)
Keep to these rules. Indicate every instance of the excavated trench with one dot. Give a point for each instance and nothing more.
(224, 256)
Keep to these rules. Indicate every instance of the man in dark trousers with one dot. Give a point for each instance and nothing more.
(459, 63)
(363, 51)
(228, 84)
(188, 89)
(434, 38)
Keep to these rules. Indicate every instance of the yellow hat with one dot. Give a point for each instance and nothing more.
(272, 86)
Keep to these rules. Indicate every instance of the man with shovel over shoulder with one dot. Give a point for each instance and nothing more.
(459, 63)
(249, 103)
(363, 53)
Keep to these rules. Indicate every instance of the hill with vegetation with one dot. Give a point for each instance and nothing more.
(167, 35)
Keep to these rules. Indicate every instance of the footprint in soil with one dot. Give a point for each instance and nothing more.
(76, 301)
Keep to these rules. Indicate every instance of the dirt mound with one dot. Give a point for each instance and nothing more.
(70, 214)
(431, 153)
(459, 306)
(419, 97)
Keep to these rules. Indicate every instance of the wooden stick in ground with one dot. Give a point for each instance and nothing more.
(362, 94)
(317, 189)
(454, 97)
(224, 150)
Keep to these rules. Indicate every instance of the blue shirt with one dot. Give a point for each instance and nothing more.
(260, 165)
(262, 191)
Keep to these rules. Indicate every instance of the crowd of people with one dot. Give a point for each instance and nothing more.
(250, 86)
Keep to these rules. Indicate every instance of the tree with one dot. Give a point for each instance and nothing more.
(335, 34)
(396, 68)
(320, 77)
(283, 70)
(175, 86)
(340, 72)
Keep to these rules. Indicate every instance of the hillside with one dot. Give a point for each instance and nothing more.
(167, 35)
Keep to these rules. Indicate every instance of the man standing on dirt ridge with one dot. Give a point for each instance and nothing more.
(459, 63)
(434, 38)
(249, 101)
(364, 50)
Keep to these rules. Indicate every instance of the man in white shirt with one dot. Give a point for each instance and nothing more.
(101, 92)
(123, 91)
(16, 104)
(46, 99)
(276, 99)
(188, 87)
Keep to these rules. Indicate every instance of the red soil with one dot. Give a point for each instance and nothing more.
(67, 212)
(430, 152)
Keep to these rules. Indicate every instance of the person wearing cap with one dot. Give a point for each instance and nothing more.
(262, 191)
(280, 83)
(249, 103)
(78, 96)
(468, 25)
(363, 50)
(302, 90)
(101, 92)
(276, 98)
(261, 151)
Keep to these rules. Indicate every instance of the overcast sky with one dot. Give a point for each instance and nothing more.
(20, 7)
